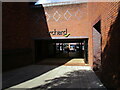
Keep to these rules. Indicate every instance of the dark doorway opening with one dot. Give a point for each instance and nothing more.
(97, 42)
(70, 50)
(61, 48)
(97, 26)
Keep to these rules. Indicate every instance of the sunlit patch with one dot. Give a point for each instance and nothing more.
(76, 62)
(62, 76)
(101, 85)
(63, 72)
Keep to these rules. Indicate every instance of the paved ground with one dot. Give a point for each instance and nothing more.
(44, 77)
(76, 62)
(23, 74)
(63, 61)
(70, 54)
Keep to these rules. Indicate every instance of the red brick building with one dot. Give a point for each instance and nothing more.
(71, 18)
(109, 15)
(27, 30)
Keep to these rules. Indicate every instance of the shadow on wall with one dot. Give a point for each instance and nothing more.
(38, 20)
(39, 32)
(111, 56)
(21, 23)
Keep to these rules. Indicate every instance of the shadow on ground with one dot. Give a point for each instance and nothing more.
(78, 79)
(21, 75)
(54, 61)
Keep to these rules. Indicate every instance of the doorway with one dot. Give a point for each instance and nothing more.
(70, 50)
(97, 40)
(61, 48)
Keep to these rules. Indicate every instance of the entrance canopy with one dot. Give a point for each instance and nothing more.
(64, 39)
(80, 37)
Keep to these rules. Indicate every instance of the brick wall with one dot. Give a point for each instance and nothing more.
(108, 12)
(15, 26)
(38, 22)
(72, 17)
(22, 25)
(15, 35)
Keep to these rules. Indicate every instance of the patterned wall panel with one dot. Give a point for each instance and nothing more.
(67, 12)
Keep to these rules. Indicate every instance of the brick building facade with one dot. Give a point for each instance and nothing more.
(108, 13)
(73, 17)
(24, 24)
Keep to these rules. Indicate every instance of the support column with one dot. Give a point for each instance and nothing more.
(86, 50)
(54, 49)
(62, 47)
(80, 49)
